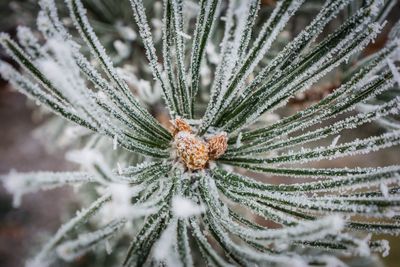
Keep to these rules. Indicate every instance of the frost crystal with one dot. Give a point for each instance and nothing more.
(185, 208)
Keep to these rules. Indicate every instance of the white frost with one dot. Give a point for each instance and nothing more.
(394, 70)
(185, 35)
(122, 48)
(14, 186)
(165, 249)
(184, 208)
(120, 205)
(335, 140)
(115, 142)
(384, 189)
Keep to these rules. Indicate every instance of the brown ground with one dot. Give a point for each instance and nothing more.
(39, 213)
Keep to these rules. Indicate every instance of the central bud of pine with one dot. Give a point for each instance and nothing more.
(193, 151)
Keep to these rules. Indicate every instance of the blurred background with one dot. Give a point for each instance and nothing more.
(24, 147)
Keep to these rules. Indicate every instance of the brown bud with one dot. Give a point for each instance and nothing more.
(179, 125)
(192, 151)
(217, 145)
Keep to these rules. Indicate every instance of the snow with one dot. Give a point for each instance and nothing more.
(335, 140)
(395, 71)
(19, 184)
(126, 32)
(185, 208)
(185, 35)
(115, 142)
(15, 186)
(108, 247)
(239, 140)
(120, 205)
(38, 263)
(386, 248)
(30, 43)
(71, 134)
(84, 157)
(384, 189)
(165, 248)
(119, 168)
(123, 49)
(72, 249)
(93, 161)
(205, 73)
(212, 54)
